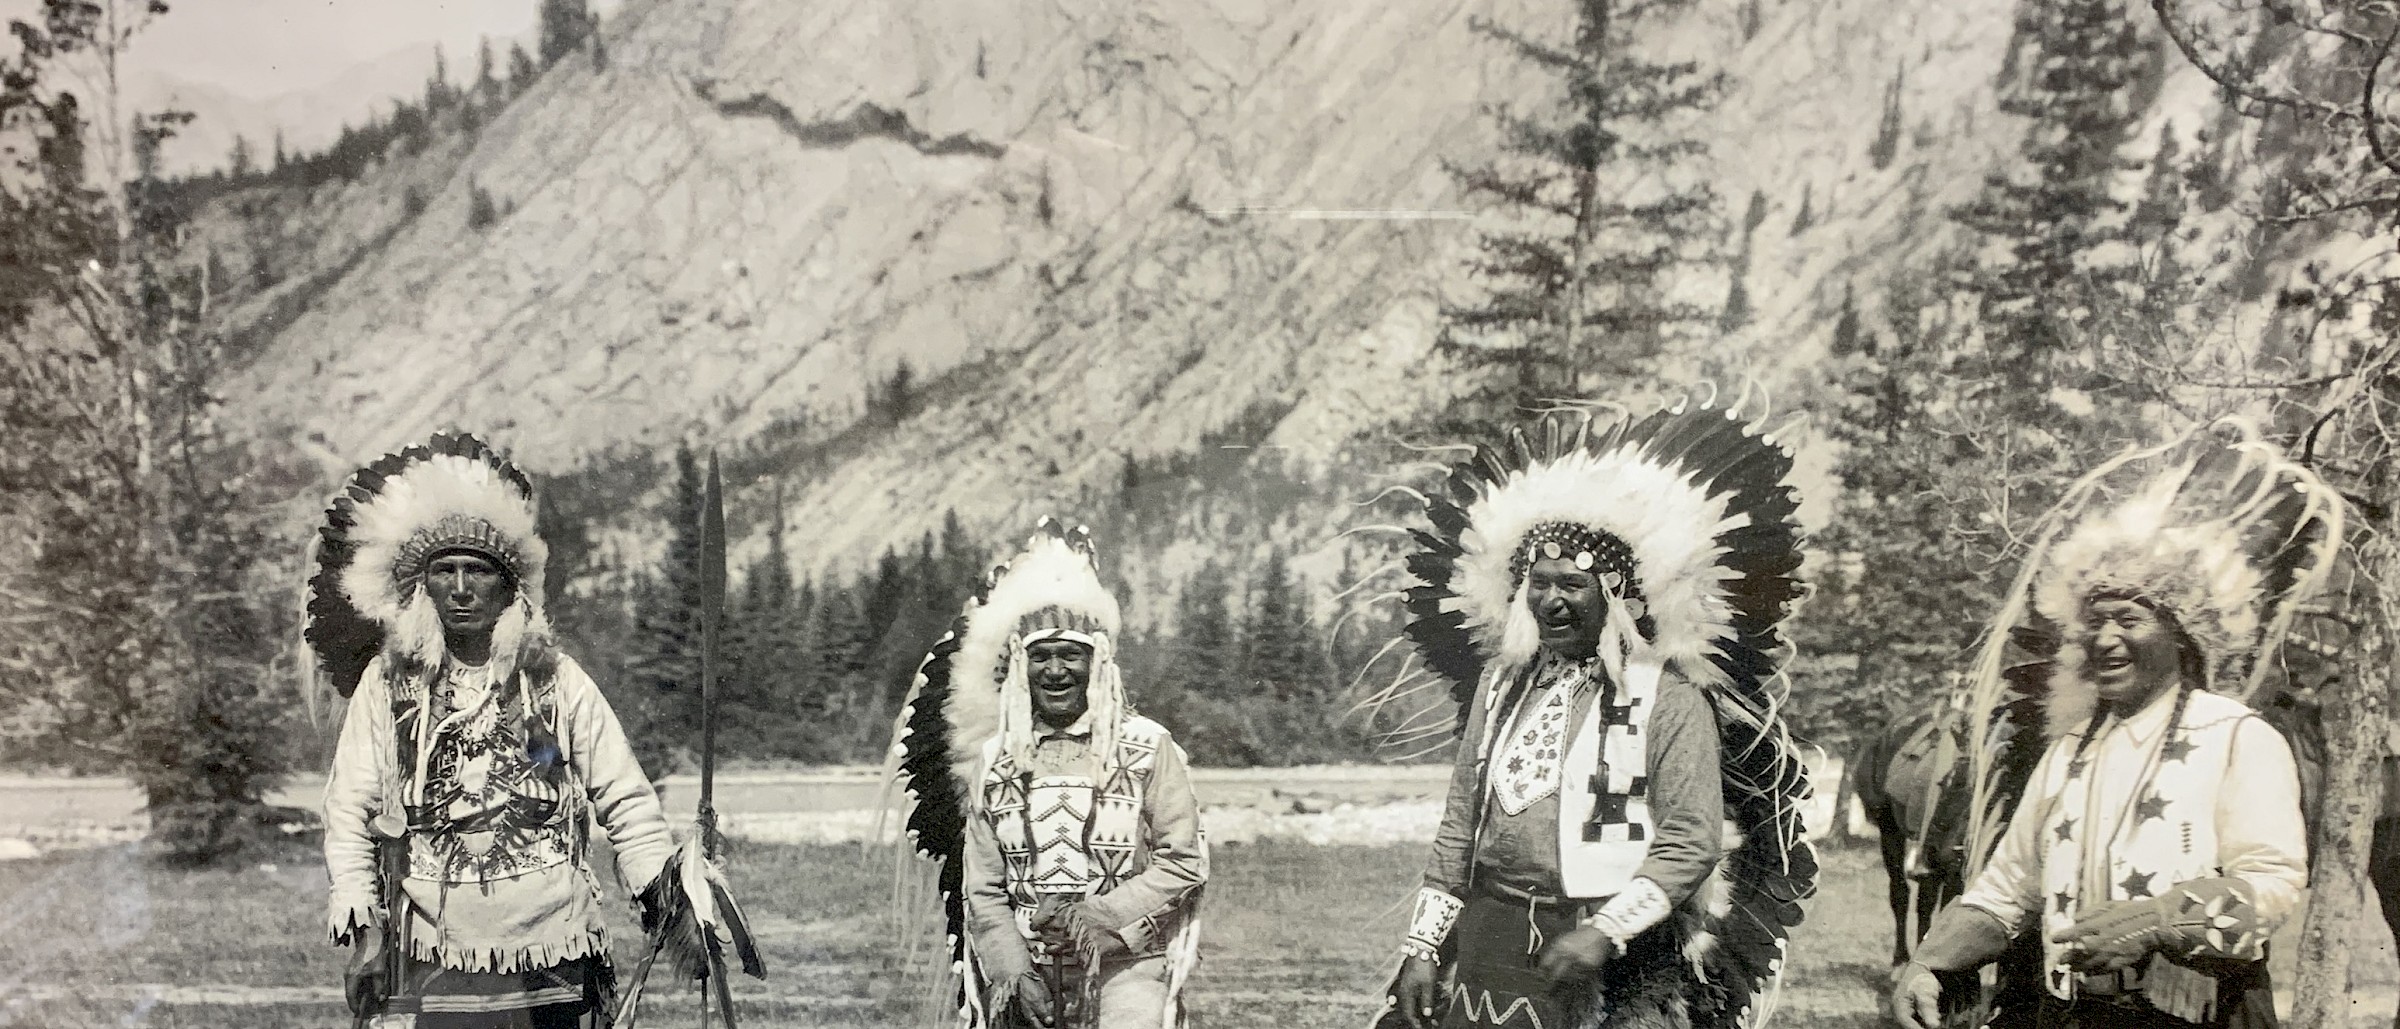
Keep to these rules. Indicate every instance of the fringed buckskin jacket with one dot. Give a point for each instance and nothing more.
(496, 785)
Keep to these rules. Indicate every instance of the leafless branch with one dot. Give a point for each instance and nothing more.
(2366, 104)
(2232, 84)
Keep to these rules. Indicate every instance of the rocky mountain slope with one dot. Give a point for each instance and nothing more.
(1095, 232)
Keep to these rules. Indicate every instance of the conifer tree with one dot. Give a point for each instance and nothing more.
(486, 90)
(668, 613)
(1590, 213)
(521, 70)
(135, 644)
(1956, 436)
(564, 23)
(835, 686)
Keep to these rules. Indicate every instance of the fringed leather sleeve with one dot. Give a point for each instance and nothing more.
(628, 809)
(1177, 860)
(356, 789)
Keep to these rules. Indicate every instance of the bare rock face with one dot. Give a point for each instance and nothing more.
(1091, 229)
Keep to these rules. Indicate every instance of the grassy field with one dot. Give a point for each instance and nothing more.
(1297, 937)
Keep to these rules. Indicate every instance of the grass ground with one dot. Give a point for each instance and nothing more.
(1298, 937)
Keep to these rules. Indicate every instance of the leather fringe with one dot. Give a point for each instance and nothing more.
(2182, 992)
(500, 960)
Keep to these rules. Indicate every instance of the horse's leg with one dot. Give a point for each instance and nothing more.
(2383, 871)
(1894, 842)
(1869, 772)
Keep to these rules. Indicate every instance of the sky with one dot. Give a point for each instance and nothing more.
(263, 49)
(302, 68)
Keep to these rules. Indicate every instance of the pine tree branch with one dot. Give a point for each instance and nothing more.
(1539, 53)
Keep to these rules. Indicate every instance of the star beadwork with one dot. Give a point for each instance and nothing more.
(2176, 749)
(2063, 901)
(2152, 806)
(2066, 829)
(2136, 884)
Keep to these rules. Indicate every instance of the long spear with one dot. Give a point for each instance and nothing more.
(696, 906)
(712, 622)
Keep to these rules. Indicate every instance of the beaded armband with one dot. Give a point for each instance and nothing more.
(1640, 905)
(1436, 913)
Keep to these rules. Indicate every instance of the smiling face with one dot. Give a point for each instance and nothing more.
(1567, 605)
(2131, 654)
(1060, 674)
(469, 592)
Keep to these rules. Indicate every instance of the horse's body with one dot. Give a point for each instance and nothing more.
(1913, 780)
(1910, 779)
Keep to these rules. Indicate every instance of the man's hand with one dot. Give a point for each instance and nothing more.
(1034, 1004)
(362, 983)
(1417, 991)
(2114, 935)
(1049, 921)
(1917, 997)
(1577, 956)
(1092, 937)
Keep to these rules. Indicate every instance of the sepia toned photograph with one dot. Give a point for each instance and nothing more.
(1199, 514)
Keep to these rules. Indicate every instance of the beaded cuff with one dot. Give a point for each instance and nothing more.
(1640, 905)
(1436, 913)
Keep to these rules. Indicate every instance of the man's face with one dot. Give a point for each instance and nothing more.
(1568, 606)
(1060, 672)
(469, 592)
(2130, 654)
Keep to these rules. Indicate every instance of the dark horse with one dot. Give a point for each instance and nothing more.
(1911, 781)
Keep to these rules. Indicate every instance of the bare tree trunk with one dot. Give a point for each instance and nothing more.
(2357, 727)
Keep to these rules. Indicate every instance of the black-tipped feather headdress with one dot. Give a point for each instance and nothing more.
(971, 690)
(1689, 520)
(366, 595)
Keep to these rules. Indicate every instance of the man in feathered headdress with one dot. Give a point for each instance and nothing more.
(1070, 836)
(473, 759)
(1604, 606)
(2158, 840)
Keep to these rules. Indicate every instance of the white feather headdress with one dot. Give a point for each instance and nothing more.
(367, 595)
(2216, 528)
(1689, 521)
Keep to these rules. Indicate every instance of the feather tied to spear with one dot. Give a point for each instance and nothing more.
(688, 912)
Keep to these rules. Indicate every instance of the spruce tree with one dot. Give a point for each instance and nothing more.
(835, 687)
(1588, 217)
(769, 652)
(1203, 673)
(136, 641)
(521, 70)
(668, 614)
(563, 24)
(1956, 436)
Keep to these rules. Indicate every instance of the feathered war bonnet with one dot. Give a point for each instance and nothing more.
(1689, 520)
(1684, 515)
(2216, 530)
(1051, 591)
(368, 596)
(972, 687)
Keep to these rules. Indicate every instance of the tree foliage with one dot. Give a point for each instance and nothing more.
(135, 642)
(1591, 211)
(1991, 378)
